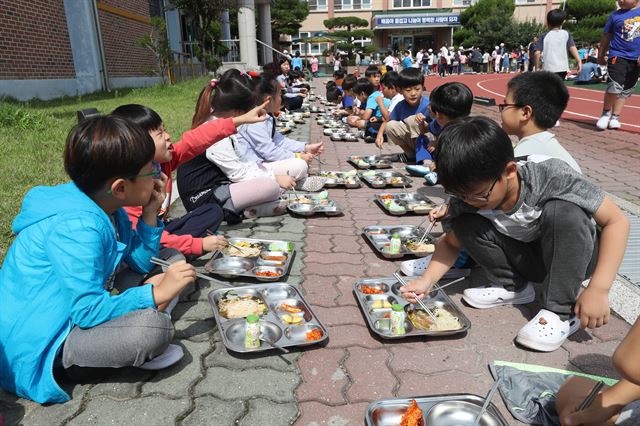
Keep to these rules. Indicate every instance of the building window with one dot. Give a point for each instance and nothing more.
(409, 4)
(524, 1)
(307, 49)
(351, 4)
(464, 2)
(362, 41)
(317, 5)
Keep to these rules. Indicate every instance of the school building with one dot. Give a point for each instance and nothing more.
(402, 23)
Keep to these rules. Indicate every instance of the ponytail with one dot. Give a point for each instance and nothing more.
(233, 92)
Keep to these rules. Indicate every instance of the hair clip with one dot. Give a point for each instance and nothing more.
(213, 83)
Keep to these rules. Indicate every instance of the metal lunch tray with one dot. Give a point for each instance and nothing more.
(380, 237)
(391, 287)
(317, 205)
(406, 200)
(370, 161)
(272, 325)
(235, 266)
(381, 179)
(332, 182)
(454, 409)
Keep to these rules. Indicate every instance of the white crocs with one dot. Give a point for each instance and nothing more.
(546, 332)
(496, 295)
(170, 356)
(416, 267)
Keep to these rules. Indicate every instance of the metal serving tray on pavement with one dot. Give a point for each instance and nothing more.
(448, 409)
(347, 179)
(285, 317)
(370, 161)
(381, 179)
(401, 203)
(380, 239)
(307, 204)
(376, 295)
(264, 260)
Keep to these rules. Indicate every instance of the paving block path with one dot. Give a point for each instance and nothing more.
(333, 385)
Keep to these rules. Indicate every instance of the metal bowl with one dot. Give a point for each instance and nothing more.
(229, 266)
(298, 333)
(406, 232)
(327, 132)
(302, 209)
(279, 292)
(458, 413)
(268, 330)
(278, 271)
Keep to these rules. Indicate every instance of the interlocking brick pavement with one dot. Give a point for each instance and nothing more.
(334, 384)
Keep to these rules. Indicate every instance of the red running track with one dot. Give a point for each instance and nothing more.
(585, 105)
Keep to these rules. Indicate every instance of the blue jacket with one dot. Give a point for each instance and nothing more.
(261, 142)
(53, 278)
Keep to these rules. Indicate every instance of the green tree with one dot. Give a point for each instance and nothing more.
(349, 28)
(486, 24)
(205, 16)
(587, 19)
(157, 42)
(287, 16)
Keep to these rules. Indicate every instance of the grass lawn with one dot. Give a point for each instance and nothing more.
(32, 137)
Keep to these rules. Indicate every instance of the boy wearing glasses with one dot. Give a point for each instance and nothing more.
(533, 104)
(526, 224)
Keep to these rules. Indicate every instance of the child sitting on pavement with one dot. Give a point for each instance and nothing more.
(72, 242)
(362, 91)
(524, 224)
(372, 73)
(192, 233)
(347, 95)
(389, 91)
(263, 144)
(619, 403)
(533, 104)
(403, 129)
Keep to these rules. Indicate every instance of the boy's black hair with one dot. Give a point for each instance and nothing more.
(544, 92)
(452, 99)
(371, 71)
(389, 69)
(339, 74)
(103, 148)
(556, 17)
(410, 77)
(296, 73)
(141, 115)
(389, 79)
(348, 82)
(472, 150)
(333, 93)
(363, 86)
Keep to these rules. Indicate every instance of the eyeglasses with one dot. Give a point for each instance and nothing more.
(502, 107)
(156, 172)
(477, 198)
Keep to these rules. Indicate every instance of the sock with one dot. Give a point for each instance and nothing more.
(616, 116)
(606, 112)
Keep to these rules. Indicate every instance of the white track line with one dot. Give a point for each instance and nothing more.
(479, 84)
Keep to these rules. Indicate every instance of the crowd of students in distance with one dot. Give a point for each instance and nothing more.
(81, 296)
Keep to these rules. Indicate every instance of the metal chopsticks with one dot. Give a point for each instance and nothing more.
(591, 397)
(161, 262)
(420, 302)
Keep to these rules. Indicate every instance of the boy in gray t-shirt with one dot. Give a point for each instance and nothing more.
(524, 224)
(554, 45)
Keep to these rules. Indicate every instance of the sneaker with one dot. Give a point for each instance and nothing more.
(417, 170)
(417, 267)
(272, 208)
(614, 122)
(170, 356)
(311, 184)
(603, 122)
(496, 295)
(546, 332)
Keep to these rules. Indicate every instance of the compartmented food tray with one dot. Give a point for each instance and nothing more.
(346, 179)
(264, 260)
(370, 161)
(380, 238)
(401, 203)
(381, 179)
(285, 317)
(449, 409)
(306, 204)
(376, 295)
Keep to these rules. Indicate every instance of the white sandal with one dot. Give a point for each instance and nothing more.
(496, 295)
(546, 332)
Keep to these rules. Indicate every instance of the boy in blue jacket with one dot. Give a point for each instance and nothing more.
(72, 240)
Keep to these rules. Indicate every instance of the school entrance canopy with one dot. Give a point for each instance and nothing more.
(414, 29)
